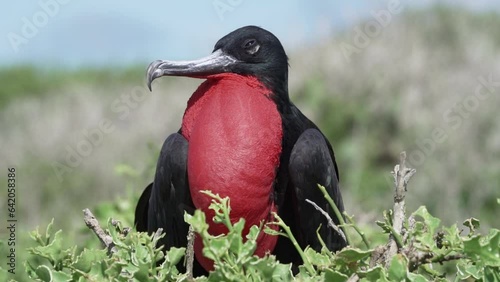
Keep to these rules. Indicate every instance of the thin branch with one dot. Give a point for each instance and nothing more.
(337, 212)
(402, 175)
(396, 236)
(356, 228)
(190, 254)
(447, 258)
(411, 227)
(418, 258)
(279, 222)
(330, 220)
(93, 224)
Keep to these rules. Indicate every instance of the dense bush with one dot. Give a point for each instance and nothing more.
(427, 251)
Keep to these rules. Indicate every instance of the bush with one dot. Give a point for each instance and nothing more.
(425, 251)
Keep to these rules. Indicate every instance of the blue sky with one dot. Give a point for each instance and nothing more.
(73, 33)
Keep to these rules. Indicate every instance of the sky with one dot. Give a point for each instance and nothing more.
(71, 33)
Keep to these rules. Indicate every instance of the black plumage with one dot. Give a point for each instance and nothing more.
(306, 159)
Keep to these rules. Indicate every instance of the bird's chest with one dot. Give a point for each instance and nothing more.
(234, 132)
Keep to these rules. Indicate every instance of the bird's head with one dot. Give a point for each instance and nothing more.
(250, 51)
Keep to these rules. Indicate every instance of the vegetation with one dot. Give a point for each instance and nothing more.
(389, 97)
(425, 250)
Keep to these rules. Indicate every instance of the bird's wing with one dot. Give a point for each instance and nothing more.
(163, 202)
(312, 163)
(141, 210)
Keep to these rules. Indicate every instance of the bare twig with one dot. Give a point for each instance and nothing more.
(330, 220)
(190, 254)
(337, 212)
(402, 175)
(411, 226)
(93, 224)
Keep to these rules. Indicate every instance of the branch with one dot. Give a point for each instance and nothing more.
(337, 212)
(190, 254)
(330, 221)
(402, 175)
(411, 227)
(93, 225)
(288, 233)
(356, 228)
(418, 258)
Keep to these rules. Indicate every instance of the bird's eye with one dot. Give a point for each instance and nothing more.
(249, 43)
(251, 46)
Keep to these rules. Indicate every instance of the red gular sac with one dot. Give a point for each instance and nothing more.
(234, 132)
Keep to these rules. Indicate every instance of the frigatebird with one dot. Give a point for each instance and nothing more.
(241, 137)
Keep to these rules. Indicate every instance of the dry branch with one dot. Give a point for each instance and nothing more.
(402, 175)
(190, 254)
(330, 221)
(93, 224)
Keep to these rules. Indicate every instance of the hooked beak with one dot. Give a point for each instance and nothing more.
(217, 62)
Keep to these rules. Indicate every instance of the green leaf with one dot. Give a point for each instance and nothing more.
(282, 272)
(431, 222)
(250, 245)
(304, 274)
(87, 258)
(197, 220)
(332, 275)
(42, 240)
(350, 254)
(472, 224)
(217, 248)
(129, 270)
(318, 259)
(377, 273)
(416, 277)
(236, 241)
(52, 250)
(486, 249)
(48, 231)
(466, 270)
(142, 273)
(491, 274)
(398, 268)
(452, 239)
(174, 255)
(269, 267)
(44, 273)
(424, 231)
(60, 276)
(30, 270)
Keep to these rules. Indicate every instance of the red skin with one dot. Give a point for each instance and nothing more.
(234, 132)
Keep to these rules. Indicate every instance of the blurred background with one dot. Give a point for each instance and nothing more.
(378, 77)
